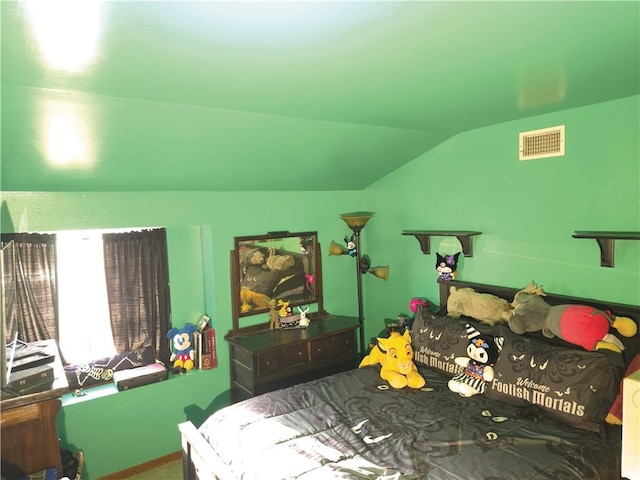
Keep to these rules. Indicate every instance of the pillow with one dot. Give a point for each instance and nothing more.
(437, 340)
(100, 371)
(571, 385)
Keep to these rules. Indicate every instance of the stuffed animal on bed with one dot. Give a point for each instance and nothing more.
(483, 351)
(581, 325)
(484, 307)
(396, 357)
(417, 302)
(182, 352)
(447, 266)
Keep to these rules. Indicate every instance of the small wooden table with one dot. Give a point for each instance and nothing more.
(29, 439)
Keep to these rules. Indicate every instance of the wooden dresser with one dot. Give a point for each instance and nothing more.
(29, 436)
(267, 360)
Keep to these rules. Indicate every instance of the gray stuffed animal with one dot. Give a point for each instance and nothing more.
(581, 325)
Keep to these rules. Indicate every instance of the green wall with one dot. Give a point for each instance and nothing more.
(527, 212)
(117, 431)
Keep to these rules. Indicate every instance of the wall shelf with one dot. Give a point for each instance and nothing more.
(424, 237)
(606, 242)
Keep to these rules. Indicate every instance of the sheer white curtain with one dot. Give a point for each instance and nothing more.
(85, 329)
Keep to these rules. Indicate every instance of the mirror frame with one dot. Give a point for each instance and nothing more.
(262, 241)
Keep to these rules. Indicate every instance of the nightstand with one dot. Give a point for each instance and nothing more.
(267, 360)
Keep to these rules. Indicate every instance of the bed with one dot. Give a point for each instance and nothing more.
(541, 418)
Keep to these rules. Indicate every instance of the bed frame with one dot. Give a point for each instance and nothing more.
(201, 462)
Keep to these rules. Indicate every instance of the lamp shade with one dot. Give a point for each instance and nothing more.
(335, 249)
(380, 272)
(356, 220)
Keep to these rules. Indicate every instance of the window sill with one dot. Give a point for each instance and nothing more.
(108, 389)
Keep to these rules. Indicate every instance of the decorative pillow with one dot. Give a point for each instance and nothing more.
(437, 340)
(571, 385)
(100, 371)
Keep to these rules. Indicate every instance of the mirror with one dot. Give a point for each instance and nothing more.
(279, 265)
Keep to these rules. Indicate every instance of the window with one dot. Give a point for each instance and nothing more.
(83, 306)
(97, 293)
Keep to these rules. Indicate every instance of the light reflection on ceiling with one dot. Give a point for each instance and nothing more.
(66, 31)
(68, 140)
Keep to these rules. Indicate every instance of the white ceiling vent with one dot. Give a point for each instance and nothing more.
(547, 142)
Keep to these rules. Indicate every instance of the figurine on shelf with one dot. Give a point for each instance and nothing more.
(284, 309)
(274, 322)
(304, 320)
(447, 266)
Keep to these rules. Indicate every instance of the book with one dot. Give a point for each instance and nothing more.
(212, 348)
(206, 357)
(209, 358)
(197, 349)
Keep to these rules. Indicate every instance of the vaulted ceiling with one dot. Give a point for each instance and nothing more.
(290, 95)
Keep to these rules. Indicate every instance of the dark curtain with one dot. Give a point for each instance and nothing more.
(30, 286)
(137, 274)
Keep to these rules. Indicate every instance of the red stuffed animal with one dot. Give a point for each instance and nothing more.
(581, 325)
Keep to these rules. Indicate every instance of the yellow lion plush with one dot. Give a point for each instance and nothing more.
(396, 357)
(251, 300)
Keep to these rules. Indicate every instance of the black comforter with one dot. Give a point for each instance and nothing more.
(351, 425)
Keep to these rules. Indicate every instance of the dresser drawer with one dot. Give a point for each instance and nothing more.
(328, 348)
(242, 357)
(265, 360)
(281, 359)
(242, 375)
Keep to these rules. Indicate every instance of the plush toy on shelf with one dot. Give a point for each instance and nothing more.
(304, 319)
(483, 351)
(395, 355)
(182, 352)
(447, 266)
(581, 325)
(284, 310)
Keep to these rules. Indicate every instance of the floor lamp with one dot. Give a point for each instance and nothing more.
(356, 221)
